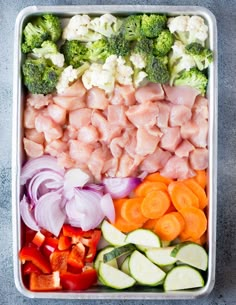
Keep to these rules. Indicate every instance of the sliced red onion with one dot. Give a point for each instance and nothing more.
(85, 209)
(108, 207)
(33, 166)
(74, 178)
(27, 214)
(120, 187)
(49, 214)
(94, 187)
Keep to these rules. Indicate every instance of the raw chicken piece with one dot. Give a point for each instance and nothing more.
(29, 116)
(181, 95)
(70, 103)
(39, 101)
(179, 114)
(51, 130)
(163, 114)
(143, 114)
(128, 166)
(88, 134)
(34, 135)
(80, 151)
(189, 129)
(200, 138)
(56, 147)
(154, 162)
(200, 109)
(96, 99)
(149, 92)
(57, 113)
(199, 158)
(146, 142)
(33, 149)
(70, 133)
(116, 115)
(123, 95)
(97, 160)
(130, 147)
(117, 144)
(64, 160)
(170, 139)
(76, 89)
(110, 167)
(184, 149)
(80, 118)
(177, 168)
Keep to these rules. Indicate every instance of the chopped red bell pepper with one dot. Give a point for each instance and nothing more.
(35, 256)
(50, 245)
(29, 267)
(70, 231)
(64, 242)
(92, 244)
(58, 260)
(29, 235)
(73, 269)
(45, 282)
(38, 239)
(80, 281)
(77, 255)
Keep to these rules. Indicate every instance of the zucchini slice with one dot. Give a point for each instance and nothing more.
(125, 265)
(100, 255)
(117, 252)
(161, 256)
(112, 234)
(143, 237)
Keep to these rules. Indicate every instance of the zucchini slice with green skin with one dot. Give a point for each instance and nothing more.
(143, 237)
(117, 252)
(112, 235)
(161, 256)
(183, 277)
(125, 266)
(191, 254)
(144, 271)
(114, 278)
(100, 255)
(167, 268)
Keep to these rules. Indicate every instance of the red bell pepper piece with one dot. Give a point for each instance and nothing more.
(58, 260)
(38, 239)
(45, 282)
(29, 235)
(80, 281)
(29, 267)
(35, 256)
(72, 269)
(92, 244)
(64, 242)
(76, 256)
(50, 245)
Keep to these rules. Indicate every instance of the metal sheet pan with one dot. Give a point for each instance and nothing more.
(100, 292)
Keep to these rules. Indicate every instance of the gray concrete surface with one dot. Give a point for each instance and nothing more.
(224, 292)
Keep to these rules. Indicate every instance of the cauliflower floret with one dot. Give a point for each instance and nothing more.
(57, 59)
(138, 61)
(197, 26)
(123, 72)
(67, 76)
(106, 25)
(178, 24)
(139, 78)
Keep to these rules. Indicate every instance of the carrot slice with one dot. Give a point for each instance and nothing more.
(155, 204)
(171, 208)
(201, 178)
(198, 191)
(150, 224)
(201, 241)
(182, 196)
(169, 226)
(131, 211)
(195, 222)
(156, 177)
(147, 186)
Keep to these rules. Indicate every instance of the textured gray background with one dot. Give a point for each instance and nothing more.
(225, 288)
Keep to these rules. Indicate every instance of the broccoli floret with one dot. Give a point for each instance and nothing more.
(75, 53)
(157, 71)
(131, 27)
(152, 25)
(144, 46)
(47, 47)
(163, 43)
(118, 45)
(33, 36)
(193, 78)
(52, 26)
(39, 76)
(99, 50)
(163, 59)
(202, 56)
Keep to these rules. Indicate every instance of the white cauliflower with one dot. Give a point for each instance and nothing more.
(139, 78)
(106, 25)
(138, 61)
(67, 76)
(57, 59)
(123, 72)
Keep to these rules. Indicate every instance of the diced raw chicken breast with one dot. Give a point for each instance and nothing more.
(128, 166)
(130, 147)
(146, 142)
(110, 167)
(199, 158)
(64, 160)
(179, 114)
(200, 138)
(88, 134)
(76, 89)
(117, 144)
(70, 133)
(149, 92)
(33, 149)
(154, 162)
(116, 115)
(143, 114)
(200, 109)
(80, 151)
(57, 113)
(181, 95)
(123, 95)
(189, 129)
(56, 147)
(170, 139)
(34, 135)
(96, 98)
(29, 117)
(184, 148)
(51, 130)
(97, 160)
(177, 168)
(39, 101)
(80, 118)
(69, 103)
(164, 114)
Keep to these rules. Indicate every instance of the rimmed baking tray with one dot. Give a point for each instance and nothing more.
(101, 292)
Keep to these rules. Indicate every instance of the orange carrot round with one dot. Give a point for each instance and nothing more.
(169, 226)
(155, 204)
(156, 177)
(131, 211)
(201, 241)
(150, 224)
(147, 186)
(195, 222)
(201, 178)
(198, 191)
(182, 196)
